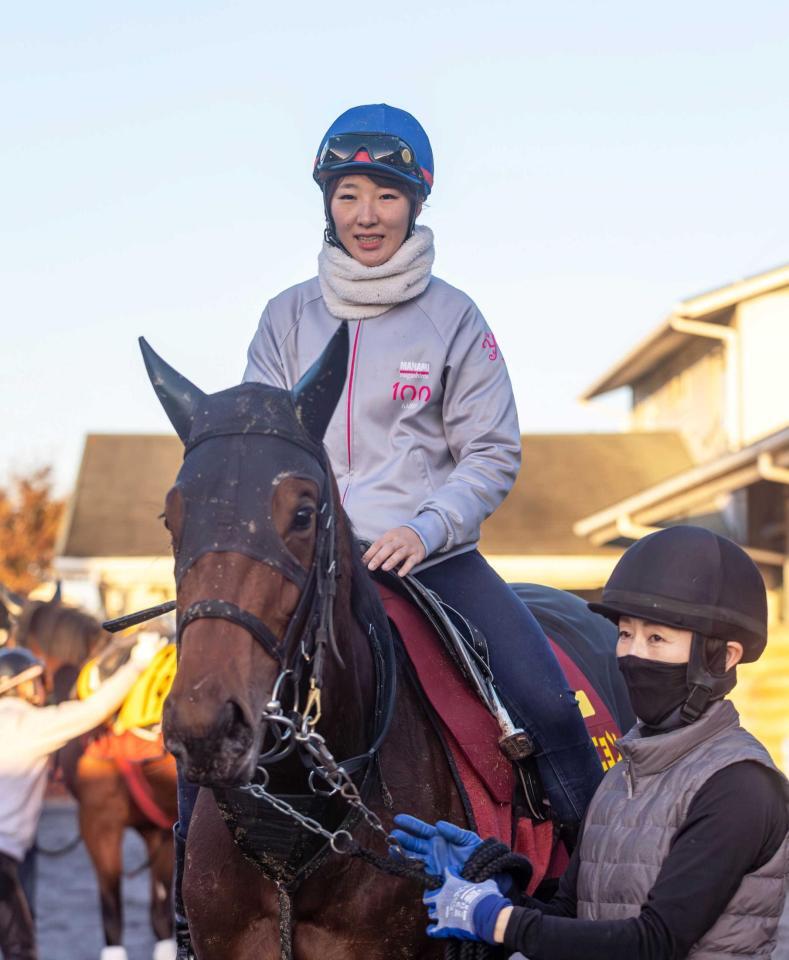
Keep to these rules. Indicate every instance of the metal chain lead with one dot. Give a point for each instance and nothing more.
(340, 781)
(258, 790)
(326, 768)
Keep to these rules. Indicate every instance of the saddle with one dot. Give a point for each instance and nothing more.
(499, 785)
(467, 646)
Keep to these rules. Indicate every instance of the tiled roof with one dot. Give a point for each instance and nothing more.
(562, 478)
(119, 495)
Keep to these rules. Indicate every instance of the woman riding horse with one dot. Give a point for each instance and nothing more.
(424, 442)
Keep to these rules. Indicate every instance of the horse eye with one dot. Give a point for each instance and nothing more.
(302, 518)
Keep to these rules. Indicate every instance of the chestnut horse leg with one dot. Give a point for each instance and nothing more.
(103, 814)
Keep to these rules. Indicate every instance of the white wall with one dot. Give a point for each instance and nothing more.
(686, 392)
(764, 363)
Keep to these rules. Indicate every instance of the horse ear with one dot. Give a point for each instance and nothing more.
(316, 395)
(176, 394)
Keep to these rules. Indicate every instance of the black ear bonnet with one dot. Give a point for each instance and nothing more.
(238, 444)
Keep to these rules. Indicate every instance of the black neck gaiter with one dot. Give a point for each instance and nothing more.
(656, 689)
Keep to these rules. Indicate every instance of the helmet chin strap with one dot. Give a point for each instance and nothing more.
(705, 685)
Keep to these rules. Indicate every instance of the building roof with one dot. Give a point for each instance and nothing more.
(767, 459)
(714, 306)
(123, 480)
(120, 490)
(564, 475)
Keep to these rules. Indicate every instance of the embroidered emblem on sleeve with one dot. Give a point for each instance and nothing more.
(489, 343)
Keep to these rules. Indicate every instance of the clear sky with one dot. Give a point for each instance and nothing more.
(595, 162)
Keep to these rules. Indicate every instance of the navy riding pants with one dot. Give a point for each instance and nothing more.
(530, 681)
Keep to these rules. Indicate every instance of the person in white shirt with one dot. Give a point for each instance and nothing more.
(30, 733)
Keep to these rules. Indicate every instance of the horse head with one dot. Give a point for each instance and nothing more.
(63, 637)
(249, 517)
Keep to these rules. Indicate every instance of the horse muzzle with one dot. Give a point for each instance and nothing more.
(222, 754)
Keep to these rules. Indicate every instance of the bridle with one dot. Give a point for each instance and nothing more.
(310, 631)
(308, 639)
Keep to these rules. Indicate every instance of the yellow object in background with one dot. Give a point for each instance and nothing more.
(762, 695)
(145, 701)
(88, 679)
(143, 706)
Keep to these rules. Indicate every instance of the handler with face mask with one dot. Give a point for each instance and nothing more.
(683, 851)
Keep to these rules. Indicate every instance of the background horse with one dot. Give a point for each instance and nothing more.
(65, 638)
(275, 605)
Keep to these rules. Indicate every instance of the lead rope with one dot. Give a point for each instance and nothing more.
(285, 922)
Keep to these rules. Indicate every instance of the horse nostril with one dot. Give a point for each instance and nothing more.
(235, 722)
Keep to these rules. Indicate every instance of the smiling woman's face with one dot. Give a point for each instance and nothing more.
(371, 221)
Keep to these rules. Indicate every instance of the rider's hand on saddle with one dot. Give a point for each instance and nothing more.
(440, 847)
(465, 911)
(145, 649)
(400, 546)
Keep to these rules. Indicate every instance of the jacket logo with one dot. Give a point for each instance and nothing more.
(409, 395)
(414, 370)
(489, 343)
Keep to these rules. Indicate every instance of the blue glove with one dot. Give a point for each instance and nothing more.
(440, 847)
(465, 911)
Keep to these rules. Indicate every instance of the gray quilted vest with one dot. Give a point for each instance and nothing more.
(638, 808)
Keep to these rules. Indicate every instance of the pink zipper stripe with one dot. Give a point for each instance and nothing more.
(348, 408)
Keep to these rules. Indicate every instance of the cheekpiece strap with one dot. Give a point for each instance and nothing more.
(225, 610)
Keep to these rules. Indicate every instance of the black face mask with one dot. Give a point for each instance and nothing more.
(655, 689)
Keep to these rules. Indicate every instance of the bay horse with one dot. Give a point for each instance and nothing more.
(65, 638)
(277, 641)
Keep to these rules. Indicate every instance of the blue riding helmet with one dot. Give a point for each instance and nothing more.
(377, 137)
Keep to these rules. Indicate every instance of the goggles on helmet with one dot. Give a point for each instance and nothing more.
(384, 148)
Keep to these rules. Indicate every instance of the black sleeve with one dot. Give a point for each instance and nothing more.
(735, 824)
(563, 903)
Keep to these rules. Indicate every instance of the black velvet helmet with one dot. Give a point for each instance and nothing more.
(17, 665)
(693, 579)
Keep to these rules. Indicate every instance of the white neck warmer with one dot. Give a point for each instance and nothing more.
(352, 291)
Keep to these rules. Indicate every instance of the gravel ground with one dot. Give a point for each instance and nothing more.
(68, 922)
(67, 902)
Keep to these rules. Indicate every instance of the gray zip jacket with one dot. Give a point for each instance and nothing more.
(426, 432)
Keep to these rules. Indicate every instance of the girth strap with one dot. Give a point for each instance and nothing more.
(225, 610)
